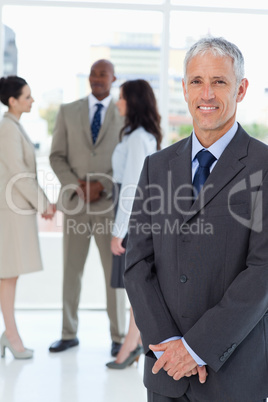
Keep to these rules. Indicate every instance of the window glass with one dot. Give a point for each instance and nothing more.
(247, 32)
(117, 1)
(54, 48)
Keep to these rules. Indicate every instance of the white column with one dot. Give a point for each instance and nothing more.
(1, 41)
(164, 66)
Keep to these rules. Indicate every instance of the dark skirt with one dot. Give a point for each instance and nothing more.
(118, 268)
(118, 265)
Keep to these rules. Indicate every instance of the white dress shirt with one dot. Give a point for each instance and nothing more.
(92, 101)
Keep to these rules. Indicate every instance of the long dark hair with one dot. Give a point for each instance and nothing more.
(141, 109)
(11, 86)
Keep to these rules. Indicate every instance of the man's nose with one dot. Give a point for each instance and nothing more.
(208, 92)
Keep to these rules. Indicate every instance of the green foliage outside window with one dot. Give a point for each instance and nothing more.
(259, 131)
(49, 115)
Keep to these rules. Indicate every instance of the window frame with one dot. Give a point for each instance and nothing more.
(166, 7)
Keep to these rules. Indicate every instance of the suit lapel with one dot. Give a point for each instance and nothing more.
(29, 149)
(227, 167)
(84, 110)
(181, 176)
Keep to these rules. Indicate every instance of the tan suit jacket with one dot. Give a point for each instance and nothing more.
(74, 156)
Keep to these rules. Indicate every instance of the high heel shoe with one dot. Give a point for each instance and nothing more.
(133, 356)
(4, 343)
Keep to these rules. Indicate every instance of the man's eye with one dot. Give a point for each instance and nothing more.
(195, 82)
(220, 82)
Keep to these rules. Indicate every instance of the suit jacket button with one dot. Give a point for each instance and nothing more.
(222, 358)
(183, 278)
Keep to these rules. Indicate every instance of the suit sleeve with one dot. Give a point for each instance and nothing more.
(217, 334)
(58, 156)
(22, 176)
(150, 310)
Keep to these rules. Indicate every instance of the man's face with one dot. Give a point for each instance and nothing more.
(101, 78)
(212, 95)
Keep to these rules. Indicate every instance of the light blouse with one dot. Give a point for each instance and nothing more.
(127, 162)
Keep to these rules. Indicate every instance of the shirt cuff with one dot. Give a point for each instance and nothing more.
(198, 360)
(173, 338)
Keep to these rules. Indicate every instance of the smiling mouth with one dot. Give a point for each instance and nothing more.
(207, 107)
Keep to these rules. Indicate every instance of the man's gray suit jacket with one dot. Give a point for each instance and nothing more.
(200, 270)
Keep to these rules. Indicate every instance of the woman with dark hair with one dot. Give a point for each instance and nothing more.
(20, 198)
(140, 136)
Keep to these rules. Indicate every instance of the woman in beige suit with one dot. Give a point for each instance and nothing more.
(20, 199)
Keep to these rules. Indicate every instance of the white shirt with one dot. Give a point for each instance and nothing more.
(92, 101)
(215, 149)
(127, 162)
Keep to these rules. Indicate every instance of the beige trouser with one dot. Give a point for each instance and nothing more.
(75, 248)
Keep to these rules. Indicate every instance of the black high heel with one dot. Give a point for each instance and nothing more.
(133, 356)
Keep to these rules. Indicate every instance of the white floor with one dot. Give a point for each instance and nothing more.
(77, 375)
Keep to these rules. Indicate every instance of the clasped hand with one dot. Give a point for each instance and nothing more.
(177, 361)
(50, 212)
(90, 191)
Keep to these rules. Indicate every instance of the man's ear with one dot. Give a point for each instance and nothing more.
(114, 79)
(184, 91)
(242, 89)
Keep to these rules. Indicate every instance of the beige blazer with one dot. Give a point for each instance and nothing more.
(20, 198)
(74, 156)
(19, 189)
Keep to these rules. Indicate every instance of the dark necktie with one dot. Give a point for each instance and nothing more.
(96, 122)
(205, 159)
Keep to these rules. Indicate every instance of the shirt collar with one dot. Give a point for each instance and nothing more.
(218, 147)
(92, 101)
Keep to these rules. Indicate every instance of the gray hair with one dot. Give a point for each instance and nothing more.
(218, 47)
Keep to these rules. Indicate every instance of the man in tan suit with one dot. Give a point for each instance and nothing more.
(85, 135)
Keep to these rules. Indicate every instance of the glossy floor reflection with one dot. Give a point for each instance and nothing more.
(77, 375)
